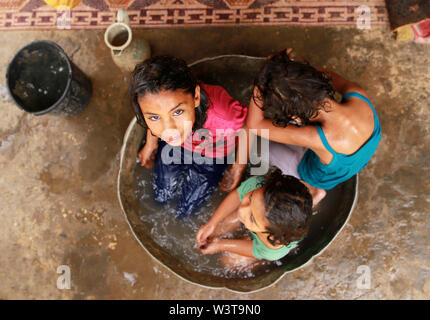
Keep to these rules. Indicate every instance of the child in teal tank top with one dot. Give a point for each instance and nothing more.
(295, 101)
(275, 210)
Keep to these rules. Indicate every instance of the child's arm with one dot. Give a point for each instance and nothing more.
(227, 206)
(234, 174)
(146, 154)
(299, 136)
(241, 247)
(343, 85)
(339, 83)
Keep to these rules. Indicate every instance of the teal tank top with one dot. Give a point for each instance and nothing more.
(342, 167)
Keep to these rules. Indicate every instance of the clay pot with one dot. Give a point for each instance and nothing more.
(126, 51)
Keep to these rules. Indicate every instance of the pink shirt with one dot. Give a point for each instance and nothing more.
(225, 117)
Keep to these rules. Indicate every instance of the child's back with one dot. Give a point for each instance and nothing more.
(348, 146)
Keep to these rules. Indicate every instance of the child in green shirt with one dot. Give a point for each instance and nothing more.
(276, 211)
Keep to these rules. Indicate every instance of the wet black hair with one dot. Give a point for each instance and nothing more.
(289, 206)
(165, 73)
(290, 89)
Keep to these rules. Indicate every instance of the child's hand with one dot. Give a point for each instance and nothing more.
(147, 155)
(204, 233)
(232, 177)
(212, 247)
(287, 51)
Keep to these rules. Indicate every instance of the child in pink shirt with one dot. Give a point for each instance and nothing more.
(191, 132)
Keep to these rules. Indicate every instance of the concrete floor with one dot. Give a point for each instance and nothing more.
(58, 176)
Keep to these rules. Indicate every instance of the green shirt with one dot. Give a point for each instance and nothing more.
(259, 249)
(249, 185)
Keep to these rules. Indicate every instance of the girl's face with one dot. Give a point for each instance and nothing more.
(252, 212)
(170, 115)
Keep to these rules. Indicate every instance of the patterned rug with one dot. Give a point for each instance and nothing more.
(98, 14)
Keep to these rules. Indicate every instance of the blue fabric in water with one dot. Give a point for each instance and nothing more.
(185, 176)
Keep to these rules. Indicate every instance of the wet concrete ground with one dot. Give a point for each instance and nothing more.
(58, 176)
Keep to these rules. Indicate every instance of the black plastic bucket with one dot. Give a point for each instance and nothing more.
(41, 79)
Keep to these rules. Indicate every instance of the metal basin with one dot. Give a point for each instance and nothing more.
(235, 73)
